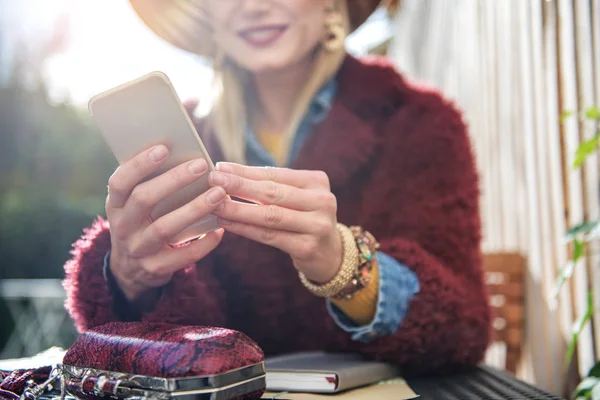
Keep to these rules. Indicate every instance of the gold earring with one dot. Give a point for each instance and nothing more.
(334, 30)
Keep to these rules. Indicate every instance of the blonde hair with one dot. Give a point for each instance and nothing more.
(229, 116)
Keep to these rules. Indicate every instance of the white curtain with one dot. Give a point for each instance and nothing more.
(514, 66)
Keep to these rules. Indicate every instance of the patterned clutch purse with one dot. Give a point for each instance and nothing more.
(157, 361)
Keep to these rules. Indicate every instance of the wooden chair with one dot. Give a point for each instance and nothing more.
(504, 274)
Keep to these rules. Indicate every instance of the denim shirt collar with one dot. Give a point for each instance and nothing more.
(317, 111)
(321, 103)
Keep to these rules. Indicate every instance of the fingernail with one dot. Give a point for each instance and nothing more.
(224, 222)
(158, 153)
(224, 167)
(218, 179)
(216, 195)
(197, 167)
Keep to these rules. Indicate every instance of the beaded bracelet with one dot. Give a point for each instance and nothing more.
(360, 248)
(347, 271)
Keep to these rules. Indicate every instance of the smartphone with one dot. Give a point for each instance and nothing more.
(146, 112)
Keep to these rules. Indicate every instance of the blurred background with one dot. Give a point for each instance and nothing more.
(525, 72)
(54, 164)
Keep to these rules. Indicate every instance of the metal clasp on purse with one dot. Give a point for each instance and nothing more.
(76, 382)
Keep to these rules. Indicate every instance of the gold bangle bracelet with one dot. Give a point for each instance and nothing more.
(347, 270)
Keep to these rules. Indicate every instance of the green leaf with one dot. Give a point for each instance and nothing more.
(585, 149)
(584, 389)
(563, 276)
(567, 271)
(578, 327)
(593, 113)
(578, 250)
(565, 115)
(589, 229)
(595, 371)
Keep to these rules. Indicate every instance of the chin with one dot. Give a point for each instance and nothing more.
(271, 59)
(268, 64)
(270, 67)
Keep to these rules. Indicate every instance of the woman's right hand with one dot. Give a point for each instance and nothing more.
(140, 258)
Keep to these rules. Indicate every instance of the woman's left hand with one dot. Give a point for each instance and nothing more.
(295, 212)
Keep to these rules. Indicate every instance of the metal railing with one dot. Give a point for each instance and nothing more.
(36, 307)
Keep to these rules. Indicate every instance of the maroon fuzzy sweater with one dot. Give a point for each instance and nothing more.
(400, 163)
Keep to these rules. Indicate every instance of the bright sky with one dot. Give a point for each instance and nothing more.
(109, 45)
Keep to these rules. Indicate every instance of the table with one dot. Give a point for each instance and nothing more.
(483, 383)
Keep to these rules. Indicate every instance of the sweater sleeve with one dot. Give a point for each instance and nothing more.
(193, 296)
(434, 230)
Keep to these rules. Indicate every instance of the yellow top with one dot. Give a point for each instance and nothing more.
(273, 143)
(362, 306)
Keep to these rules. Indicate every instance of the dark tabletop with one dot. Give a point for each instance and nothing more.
(483, 383)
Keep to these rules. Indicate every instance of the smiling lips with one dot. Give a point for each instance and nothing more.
(262, 36)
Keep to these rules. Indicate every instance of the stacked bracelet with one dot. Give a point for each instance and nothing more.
(360, 248)
(345, 274)
(367, 248)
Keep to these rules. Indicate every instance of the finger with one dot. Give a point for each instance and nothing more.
(292, 177)
(145, 196)
(159, 232)
(287, 242)
(172, 260)
(132, 172)
(275, 217)
(269, 192)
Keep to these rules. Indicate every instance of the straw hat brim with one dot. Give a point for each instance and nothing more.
(182, 22)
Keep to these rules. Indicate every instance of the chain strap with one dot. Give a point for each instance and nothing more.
(90, 385)
(34, 392)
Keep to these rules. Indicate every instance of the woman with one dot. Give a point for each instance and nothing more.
(349, 143)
